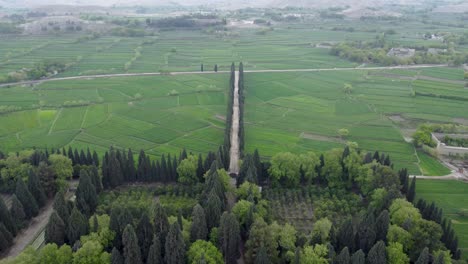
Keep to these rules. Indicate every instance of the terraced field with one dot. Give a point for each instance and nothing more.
(158, 114)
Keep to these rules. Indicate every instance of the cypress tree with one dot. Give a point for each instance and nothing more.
(141, 171)
(346, 235)
(55, 230)
(95, 179)
(83, 159)
(116, 257)
(358, 257)
(174, 169)
(71, 156)
(115, 226)
(131, 166)
(216, 68)
(164, 169)
(89, 157)
(200, 168)
(95, 159)
(155, 253)
(17, 212)
(262, 256)
(377, 254)
(6, 218)
(381, 226)
(35, 188)
(144, 233)
(105, 171)
(125, 218)
(77, 226)
(86, 197)
(343, 257)
(411, 191)
(229, 237)
(440, 259)
(161, 224)
(6, 238)
(26, 198)
(199, 229)
(213, 210)
(61, 207)
(423, 257)
(77, 157)
(175, 246)
(132, 253)
(95, 226)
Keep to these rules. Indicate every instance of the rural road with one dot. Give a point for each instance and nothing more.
(210, 72)
(35, 227)
(234, 151)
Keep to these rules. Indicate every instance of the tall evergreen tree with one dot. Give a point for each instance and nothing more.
(155, 252)
(161, 224)
(213, 210)
(423, 257)
(89, 157)
(381, 226)
(358, 257)
(229, 237)
(17, 212)
(26, 198)
(200, 168)
(95, 179)
(6, 218)
(131, 172)
(345, 235)
(132, 253)
(35, 188)
(61, 207)
(114, 226)
(411, 191)
(144, 233)
(77, 226)
(6, 238)
(377, 254)
(55, 230)
(343, 257)
(199, 229)
(105, 171)
(116, 257)
(86, 197)
(175, 246)
(95, 159)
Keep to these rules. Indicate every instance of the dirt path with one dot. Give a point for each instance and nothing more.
(27, 235)
(452, 176)
(234, 151)
(83, 77)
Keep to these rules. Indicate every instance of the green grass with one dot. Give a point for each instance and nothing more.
(452, 197)
(431, 166)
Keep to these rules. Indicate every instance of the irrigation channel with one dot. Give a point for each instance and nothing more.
(234, 151)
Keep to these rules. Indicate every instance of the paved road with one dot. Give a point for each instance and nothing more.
(198, 72)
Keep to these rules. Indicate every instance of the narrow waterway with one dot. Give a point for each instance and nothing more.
(234, 151)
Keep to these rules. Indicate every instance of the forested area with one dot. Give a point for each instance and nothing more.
(364, 211)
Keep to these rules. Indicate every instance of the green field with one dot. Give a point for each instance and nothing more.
(452, 197)
(303, 111)
(158, 114)
(431, 166)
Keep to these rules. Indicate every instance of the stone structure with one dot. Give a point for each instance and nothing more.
(443, 149)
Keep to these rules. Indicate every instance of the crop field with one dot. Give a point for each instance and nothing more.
(158, 114)
(452, 197)
(431, 166)
(303, 112)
